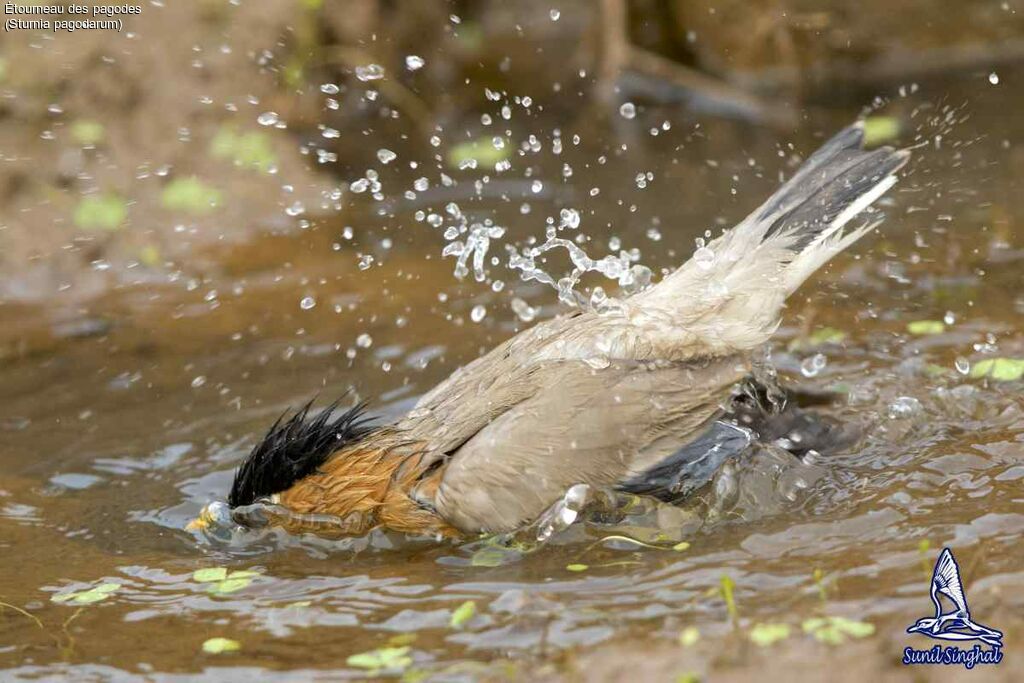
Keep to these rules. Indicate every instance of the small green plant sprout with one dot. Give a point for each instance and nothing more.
(726, 588)
(819, 582)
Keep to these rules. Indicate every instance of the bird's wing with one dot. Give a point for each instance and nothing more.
(946, 579)
(579, 424)
(515, 370)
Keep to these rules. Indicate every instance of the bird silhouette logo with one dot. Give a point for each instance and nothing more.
(956, 623)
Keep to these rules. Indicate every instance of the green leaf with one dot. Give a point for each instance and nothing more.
(100, 212)
(87, 132)
(230, 585)
(88, 596)
(210, 574)
(923, 327)
(822, 335)
(836, 630)
(243, 574)
(681, 546)
(689, 636)
(462, 614)
(764, 635)
(383, 658)
(1002, 369)
(879, 130)
(190, 195)
(577, 567)
(216, 646)
(488, 557)
(827, 335)
(482, 150)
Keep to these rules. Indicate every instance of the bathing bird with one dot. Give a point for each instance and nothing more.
(631, 397)
(957, 623)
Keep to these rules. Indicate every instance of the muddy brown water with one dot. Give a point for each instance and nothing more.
(120, 418)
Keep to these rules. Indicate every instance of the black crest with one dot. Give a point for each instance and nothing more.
(295, 448)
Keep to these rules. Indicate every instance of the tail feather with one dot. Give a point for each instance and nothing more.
(732, 296)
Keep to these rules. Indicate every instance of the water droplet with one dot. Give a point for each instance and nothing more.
(523, 310)
(365, 261)
(414, 62)
(370, 72)
(421, 184)
(628, 110)
(904, 407)
(810, 367)
(993, 78)
(478, 313)
(359, 186)
(307, 303)
(296, 209)
(364, 341)
(199, 381)
(704, 257)
(268, 118)
(536, 186)
(386, 156)
(962, 365)
(554, 14)
(570, 218)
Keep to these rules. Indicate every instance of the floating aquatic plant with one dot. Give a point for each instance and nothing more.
(88, 596)
(223, 581)
(216, 646)
(462, 614)
(1001, 369)
(765, 635)
(381, 659)
(925, 327)
(837, 630)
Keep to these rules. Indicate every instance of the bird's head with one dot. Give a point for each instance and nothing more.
(332, 470)
(925, 625)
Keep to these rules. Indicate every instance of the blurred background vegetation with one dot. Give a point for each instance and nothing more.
(125, 155)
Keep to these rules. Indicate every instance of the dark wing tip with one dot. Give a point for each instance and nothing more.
(294, 448)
